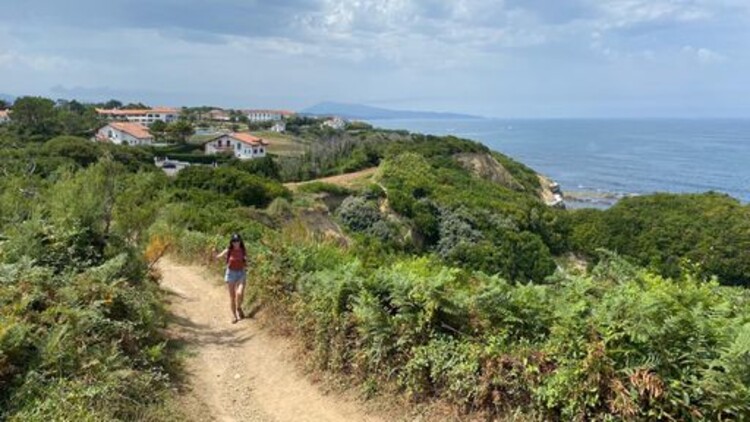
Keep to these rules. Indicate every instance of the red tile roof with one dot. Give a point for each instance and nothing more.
(245, 138)
(281, 112)
(133, 129)
(248, 139)
(4, 113)
(117, 112)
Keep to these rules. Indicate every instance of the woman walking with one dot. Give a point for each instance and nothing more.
(235, 275)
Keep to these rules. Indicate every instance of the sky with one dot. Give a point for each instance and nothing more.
(495, 58)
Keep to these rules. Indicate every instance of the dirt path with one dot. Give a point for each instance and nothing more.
(237, 372)
(345, 180)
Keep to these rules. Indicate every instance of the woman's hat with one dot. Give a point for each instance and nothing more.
(236, 238)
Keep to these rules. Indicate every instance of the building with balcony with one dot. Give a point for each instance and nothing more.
(144, 116)
(242, 145)
(125, 133)
(257, 116)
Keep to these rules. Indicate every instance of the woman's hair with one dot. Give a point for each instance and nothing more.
(238, 238)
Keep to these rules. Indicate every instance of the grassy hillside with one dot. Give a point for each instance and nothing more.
(434, 281)
(441, 277)
(283, 144)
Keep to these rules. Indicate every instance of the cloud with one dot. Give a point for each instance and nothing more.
(626, 13)
(703, 55)
(228, 17)
(34, 62)
(471, 51)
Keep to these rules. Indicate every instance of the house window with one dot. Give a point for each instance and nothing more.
(261, 150)
(238, 147)
(255, 150)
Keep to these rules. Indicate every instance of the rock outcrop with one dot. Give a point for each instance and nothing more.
(488, 168)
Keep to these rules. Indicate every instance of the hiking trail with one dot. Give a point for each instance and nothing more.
(239, 372)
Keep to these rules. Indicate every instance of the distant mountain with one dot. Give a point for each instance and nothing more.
(359, 111)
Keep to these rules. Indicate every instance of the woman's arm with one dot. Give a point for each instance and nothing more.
(222, 254)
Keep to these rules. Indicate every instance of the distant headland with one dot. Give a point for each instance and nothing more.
(364, 112)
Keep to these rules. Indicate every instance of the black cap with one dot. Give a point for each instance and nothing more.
(236, 238)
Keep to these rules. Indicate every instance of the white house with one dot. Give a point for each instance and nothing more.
(219, 115)
(125, 133)
(255, 116)
(145, 116)
(243, 145)
(336, 123)
(4, 116)
(279, 127)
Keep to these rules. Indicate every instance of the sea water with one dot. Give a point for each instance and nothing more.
(598, 161)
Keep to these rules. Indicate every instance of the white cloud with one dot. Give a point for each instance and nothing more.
(35, 62)
(625, 13)
(299, 50)
(703, 55)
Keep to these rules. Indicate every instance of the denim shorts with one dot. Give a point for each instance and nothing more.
(234, 276)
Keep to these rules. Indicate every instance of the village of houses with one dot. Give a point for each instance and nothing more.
(131, 127)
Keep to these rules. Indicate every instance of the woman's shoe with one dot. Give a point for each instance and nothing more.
(240, 313)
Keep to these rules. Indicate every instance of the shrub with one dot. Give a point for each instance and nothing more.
(80, 150)
(621, 343)
(247, 189)
(264, 166)
(280, 208)
(81, 325)
(359, 214)
(323, 187)
(669, 233)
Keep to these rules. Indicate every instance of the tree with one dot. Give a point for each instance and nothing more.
(4, 104)
(80, 150)
(158, 129)
(78, 120)
(264, 166)
(180, 131)
(112, 104)
(134, 106)
(35, 116)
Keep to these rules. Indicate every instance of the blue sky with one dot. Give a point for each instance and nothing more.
(501, 58)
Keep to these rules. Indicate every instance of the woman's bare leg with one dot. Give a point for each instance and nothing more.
(240, 294)
(232, 302)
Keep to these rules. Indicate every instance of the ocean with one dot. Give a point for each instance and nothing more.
(596, 162)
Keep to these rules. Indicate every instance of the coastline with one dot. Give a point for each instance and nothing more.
(593, 199)
(603, 160)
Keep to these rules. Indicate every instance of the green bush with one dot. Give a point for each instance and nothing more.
(704, 232)
(323, 187)
(619, 344)
(81, 322)
(83, 151)
(264, 166)
(359, 214)
(246, 189)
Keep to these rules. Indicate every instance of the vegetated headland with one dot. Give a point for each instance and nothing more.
(443, 275)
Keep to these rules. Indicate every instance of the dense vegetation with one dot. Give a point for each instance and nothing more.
(444, 276)
(708, 234)
(80, 318)
(457, 287)
(619, 342)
